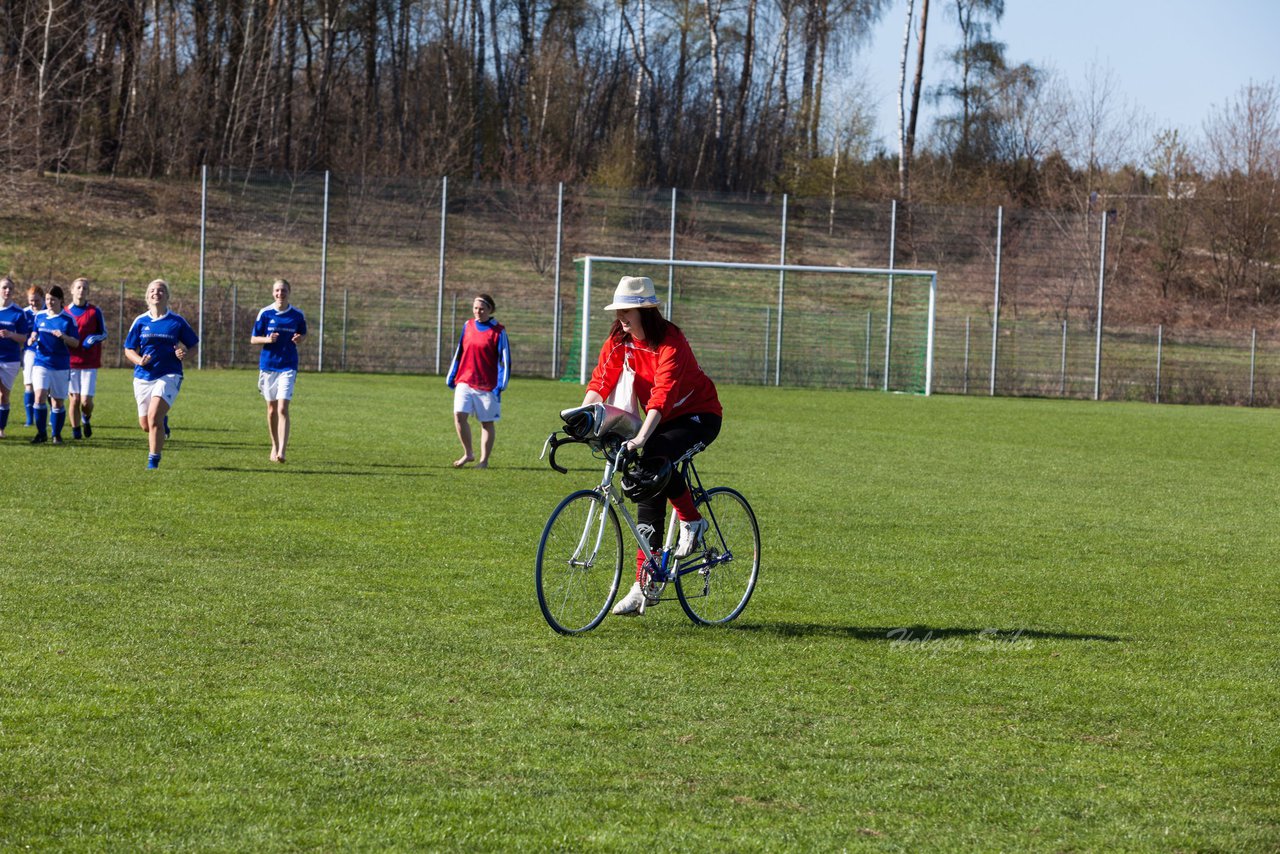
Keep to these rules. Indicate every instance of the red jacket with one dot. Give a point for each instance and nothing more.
(668, 378)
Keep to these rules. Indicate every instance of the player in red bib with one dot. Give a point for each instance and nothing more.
(479, 373)
(86, 360)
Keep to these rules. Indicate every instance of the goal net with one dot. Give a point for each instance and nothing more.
(775, 324)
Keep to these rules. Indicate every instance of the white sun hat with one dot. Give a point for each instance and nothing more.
(634, 292)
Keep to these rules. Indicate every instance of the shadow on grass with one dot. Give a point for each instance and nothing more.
(269, 468)
(913, 634)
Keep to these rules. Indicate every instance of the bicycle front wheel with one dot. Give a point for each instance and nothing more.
(579, 563)
(714, 585)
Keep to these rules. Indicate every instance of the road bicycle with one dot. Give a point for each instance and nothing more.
(581, 557)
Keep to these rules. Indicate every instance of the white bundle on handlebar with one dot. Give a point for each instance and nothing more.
(599, 421)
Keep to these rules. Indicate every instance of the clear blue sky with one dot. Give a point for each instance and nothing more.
(1174, 59)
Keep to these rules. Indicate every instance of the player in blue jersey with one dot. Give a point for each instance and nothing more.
(280, 327)
(55, 332)
(35, 305)
(157, 343)
(15, 329)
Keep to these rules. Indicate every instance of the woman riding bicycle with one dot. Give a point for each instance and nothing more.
(682, 409)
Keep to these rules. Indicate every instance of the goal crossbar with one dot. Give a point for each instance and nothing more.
(588, 261)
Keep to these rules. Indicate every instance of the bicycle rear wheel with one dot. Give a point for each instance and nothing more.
(579, 563)
(714, 585)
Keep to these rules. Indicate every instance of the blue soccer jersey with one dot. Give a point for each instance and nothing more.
(31, 323)
(283, 354)
(158, 337)
(51, 351)
(14, 319)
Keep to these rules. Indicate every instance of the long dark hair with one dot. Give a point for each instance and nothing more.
(655, 327)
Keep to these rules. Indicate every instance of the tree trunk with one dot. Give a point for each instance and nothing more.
(915, 99)
(902, 110)
(736, 134)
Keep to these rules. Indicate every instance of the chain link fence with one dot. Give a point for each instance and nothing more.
(386, 269)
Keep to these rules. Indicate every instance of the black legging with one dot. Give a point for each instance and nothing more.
(671, 440)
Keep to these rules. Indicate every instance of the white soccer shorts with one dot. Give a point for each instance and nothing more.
(53, 381)
(166, 388)
(9, 373)
(28, 367)
(84, 381)
(484, 405)
(277, 385)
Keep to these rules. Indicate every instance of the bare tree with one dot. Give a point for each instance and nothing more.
(1242, 155)
(1172, 167)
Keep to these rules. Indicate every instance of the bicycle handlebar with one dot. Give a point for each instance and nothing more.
(613, 450)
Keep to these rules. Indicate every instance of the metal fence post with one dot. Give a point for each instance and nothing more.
(555, 307)
(583, 372)
(1102, 276)
(866, 359)
(671, 254)
(995, 309)
(204, 219)
(235, 293)
(782, 290)
(1253, 360)
(966, 355)
(324, 271)
(1159, 357)
(1062, 371)
(764, 374)
(444, 217)
(888, 318)
(344, 329)
(120, 326)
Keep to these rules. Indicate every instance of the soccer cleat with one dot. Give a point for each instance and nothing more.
(631, 605)
(88, 431)
(690, 537)
(39, 439)
(57, 440)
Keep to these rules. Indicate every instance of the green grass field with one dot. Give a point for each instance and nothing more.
(981, 624)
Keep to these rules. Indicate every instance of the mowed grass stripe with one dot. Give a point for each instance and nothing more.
(996, 624)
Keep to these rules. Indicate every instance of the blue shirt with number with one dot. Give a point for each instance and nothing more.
(159, 337)
(283, 354)
(14, 319)
(51, 350)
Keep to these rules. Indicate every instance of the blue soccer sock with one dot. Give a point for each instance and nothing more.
(153, 461)
(57, 419)
(41, 412)
(166, 426)
(29, 401)
(4, 417)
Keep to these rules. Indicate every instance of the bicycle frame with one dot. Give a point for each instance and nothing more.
(662, 568)
(712, 597)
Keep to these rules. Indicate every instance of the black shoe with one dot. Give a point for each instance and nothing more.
(57, 440)
(88, 431)
(39, 438)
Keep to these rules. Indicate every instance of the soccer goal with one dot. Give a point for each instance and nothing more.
(776, 324)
